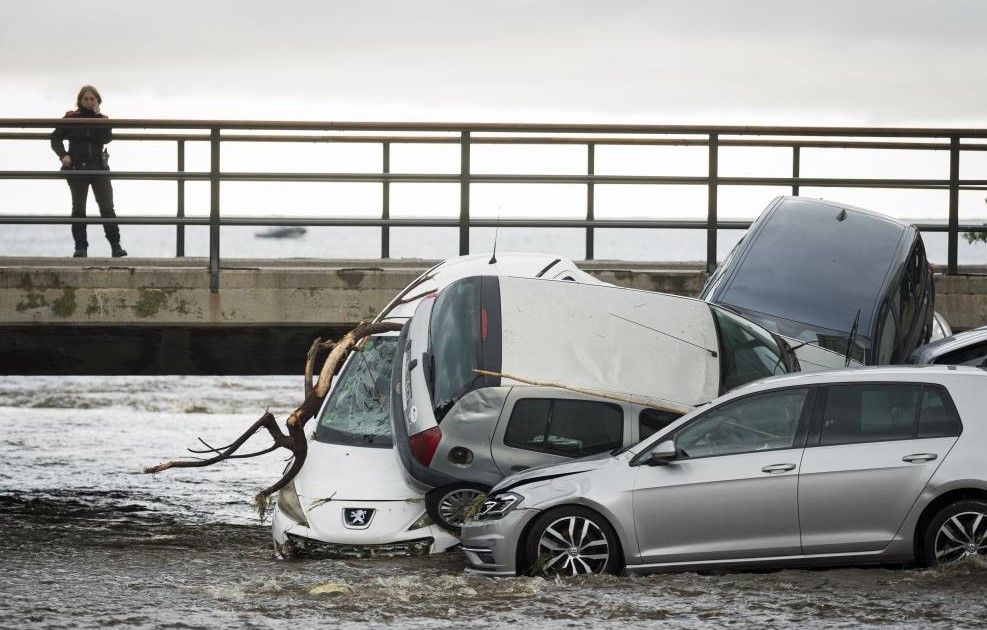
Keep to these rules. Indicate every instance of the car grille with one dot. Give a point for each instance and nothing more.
(320, 549)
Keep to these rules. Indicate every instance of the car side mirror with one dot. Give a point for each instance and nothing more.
(662, 455)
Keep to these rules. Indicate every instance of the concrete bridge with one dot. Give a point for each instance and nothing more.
(160, 316)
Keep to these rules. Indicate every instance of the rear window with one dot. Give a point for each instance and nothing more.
(464, 327)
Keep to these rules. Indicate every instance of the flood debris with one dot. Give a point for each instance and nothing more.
(292, 437)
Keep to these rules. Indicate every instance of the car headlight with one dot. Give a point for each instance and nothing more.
(498, 506)
(289, 504)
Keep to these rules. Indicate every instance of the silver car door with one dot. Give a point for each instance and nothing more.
(858, 484)
(731, 493)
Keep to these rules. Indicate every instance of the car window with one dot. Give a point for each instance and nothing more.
(888, 341)
(975, 355)
(908, 289)
(358, 408)
(454, 342)
(749, 352)
(937, 416)
(765, 421)
(871, 412)
(572, 428)
(652, 420)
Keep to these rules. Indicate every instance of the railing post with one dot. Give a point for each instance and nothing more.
(796, 167)
(214, 210)
(385, 230)
(711, 214)
(590, 198)
(180, 228)
(464, 193)
(952, 236)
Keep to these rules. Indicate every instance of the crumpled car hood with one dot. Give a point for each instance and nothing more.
(553, 471)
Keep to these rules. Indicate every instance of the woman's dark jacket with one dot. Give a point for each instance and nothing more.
(85, 142)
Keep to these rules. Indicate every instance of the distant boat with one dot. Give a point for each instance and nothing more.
(282, 232)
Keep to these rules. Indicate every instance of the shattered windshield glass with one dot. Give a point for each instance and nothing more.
(358, 409)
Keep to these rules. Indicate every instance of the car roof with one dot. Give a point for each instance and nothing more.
(525, 264)
(787, 265)
(872, 373)
(932, 350)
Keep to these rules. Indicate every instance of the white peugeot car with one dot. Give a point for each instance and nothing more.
(350, 498)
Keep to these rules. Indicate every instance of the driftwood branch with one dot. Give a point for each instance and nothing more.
(293, 437)
(592, 392)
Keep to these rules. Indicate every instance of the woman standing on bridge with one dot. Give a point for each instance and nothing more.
(87, 152)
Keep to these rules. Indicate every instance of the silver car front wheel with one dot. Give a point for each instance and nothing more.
(957, 531)
(572, 541)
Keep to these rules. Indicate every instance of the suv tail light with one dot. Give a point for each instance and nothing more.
(423, 444)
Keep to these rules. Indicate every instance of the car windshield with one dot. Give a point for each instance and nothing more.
(830, 339)
(358, 409)
(748, 352)
(454, 343)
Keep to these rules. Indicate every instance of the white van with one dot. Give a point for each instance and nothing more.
(482, 335)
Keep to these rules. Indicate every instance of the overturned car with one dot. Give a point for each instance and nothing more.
(852, 280)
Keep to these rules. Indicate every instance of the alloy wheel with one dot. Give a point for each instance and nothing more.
(963, 534)
(573, 545)
(454, 506)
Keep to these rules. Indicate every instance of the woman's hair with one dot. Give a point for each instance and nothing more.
(83, 90)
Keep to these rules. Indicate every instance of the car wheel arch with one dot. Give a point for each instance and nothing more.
(520, 550)
(933, 508)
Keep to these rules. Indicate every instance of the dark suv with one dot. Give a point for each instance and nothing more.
(848, 279)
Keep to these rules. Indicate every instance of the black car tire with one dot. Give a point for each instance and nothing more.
(957, 531)
(572, 540)
(449, 505)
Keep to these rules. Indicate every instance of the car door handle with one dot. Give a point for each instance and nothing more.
(778, 468)
(919, 458)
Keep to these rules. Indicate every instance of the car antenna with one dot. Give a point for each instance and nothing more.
(853, 336)
(493, 255)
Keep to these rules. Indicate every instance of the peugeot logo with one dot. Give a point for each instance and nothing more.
(357, 518)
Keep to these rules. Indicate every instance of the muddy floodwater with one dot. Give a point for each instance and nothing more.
(87, 540)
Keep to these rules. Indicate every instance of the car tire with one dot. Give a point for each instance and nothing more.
(957, 531)
(449, 506)
(572, 540)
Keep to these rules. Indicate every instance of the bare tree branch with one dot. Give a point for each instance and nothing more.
(293, 438)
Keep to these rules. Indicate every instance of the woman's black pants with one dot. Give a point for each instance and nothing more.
(79, 184)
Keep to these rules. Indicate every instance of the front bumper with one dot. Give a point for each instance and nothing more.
(491, 547)
(310, 547)
(390, 532)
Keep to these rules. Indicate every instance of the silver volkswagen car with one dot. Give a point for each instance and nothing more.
(880, 465)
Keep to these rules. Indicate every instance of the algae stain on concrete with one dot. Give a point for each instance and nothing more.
(150, 302)
(64, 306)
(31, 300)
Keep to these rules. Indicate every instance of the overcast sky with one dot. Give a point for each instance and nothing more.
(820, 62)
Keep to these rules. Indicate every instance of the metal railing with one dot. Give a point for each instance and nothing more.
(218, 134)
